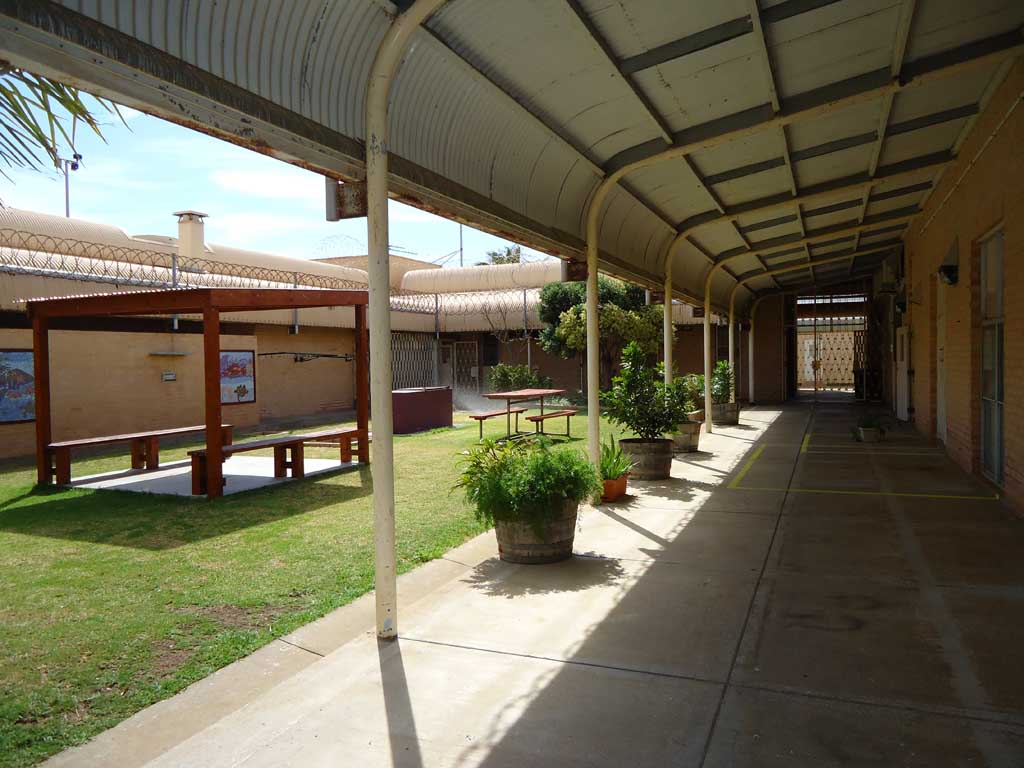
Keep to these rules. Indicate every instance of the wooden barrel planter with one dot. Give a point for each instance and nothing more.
(687, 437)
(519, 543)
(697, 416)
(652, 459)
(726, 413)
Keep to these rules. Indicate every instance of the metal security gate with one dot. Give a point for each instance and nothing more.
(828, 348)
(467, 370)
(412, 360)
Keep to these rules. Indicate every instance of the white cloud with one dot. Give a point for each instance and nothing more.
(282, 183)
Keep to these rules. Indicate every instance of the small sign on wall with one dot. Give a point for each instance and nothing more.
(168, 376)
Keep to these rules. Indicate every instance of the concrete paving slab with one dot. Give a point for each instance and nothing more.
(854, 547)
(665, 619)
(973, 553)
(241, 473)
(704, 540)
(856, 639)
(415, 704)
(764, 729)
(991, 630)
(339, 627)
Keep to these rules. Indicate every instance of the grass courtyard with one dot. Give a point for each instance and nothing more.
(115, 600)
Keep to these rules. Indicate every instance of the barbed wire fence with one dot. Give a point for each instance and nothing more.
(504, 313)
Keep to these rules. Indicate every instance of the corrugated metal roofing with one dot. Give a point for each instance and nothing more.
(509, 114)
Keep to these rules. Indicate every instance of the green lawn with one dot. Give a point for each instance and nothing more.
(115, 600)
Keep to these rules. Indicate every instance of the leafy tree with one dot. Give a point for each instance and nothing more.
(37, 116)
(511, 254)
(622, 317)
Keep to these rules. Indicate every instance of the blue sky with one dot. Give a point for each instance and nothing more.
(150, 168)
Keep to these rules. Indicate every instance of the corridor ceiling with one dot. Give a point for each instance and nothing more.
(766, 133)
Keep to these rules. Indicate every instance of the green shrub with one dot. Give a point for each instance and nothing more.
(722, 382)
(503, 378)
(639, 399)
(614, 463)
(692, 391)
(525, 481)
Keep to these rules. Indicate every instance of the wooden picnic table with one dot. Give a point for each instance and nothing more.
(521, 396)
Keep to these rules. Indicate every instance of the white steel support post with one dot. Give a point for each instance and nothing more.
(750, 353)
(593, 332)
(732, 341)
(669, 334)
(389, 55)
(707, 349)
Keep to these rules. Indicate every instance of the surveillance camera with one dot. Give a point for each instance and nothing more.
(76, 156)
(74, 166)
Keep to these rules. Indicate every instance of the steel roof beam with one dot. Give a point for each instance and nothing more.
(598, 38)
(815, 103)
(849, 228)
(847, 142)
(718, 34)
(906, 18)
(857, 181)
(677, 49)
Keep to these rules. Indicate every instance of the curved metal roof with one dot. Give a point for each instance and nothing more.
(762, 133)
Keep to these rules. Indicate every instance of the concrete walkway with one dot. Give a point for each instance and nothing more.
(792, 599)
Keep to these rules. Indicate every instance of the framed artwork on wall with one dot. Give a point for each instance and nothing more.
(17, 386)
(237, 376)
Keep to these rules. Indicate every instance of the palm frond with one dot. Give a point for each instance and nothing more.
(38, 116)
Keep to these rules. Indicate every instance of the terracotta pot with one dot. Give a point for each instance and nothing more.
(726, 413)
(869, 434)
(697, 416)
(687, 437)
(652, 459)
(614, 489)
(518, 543)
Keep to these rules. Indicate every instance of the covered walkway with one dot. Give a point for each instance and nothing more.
(798, 599)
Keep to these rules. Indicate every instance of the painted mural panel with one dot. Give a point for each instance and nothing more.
(17, 386)
(237, 377)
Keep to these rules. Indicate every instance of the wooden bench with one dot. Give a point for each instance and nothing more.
(539, 419)
(145, 448)
(289, 453)
(480, 418)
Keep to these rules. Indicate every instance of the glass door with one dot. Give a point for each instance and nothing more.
(992, 358)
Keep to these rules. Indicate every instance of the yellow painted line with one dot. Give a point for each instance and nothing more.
(805, 443)
(993, 497)
(746, 467)
(878, 453)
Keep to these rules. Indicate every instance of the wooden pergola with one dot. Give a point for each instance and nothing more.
(210, 303)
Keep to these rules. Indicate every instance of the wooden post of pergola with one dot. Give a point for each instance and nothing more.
(41, 375)
(362, 384)
(210, 303)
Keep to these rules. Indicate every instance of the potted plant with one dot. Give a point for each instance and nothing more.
(615, 466)
(530, 492)
(723, 411)
(640, 401)
(869, 429)
(686, 435)
(692, 385)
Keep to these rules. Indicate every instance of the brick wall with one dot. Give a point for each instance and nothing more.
(111, 383)
(991, 195)
(769, 363)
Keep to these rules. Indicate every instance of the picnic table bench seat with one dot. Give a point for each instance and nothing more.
(480, 418)
(539, 419)
(145, 448)
(289, 453)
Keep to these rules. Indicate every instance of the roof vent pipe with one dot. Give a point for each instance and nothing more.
(190, 246)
